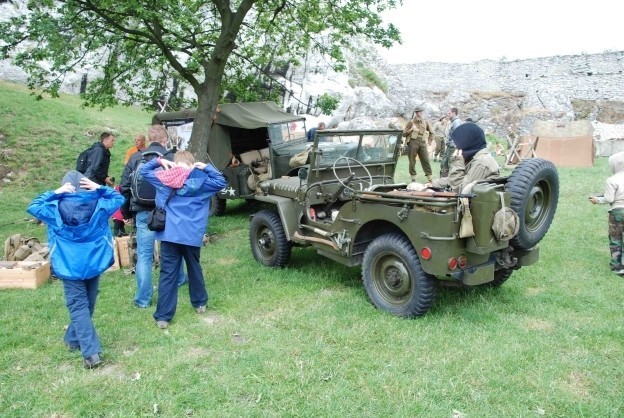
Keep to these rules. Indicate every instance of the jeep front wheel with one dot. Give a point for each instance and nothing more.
(394, 279)
(268, 240)
(534, 190)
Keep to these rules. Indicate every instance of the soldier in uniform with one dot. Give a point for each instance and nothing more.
(416, 133)
(454, 122)
(439, 136)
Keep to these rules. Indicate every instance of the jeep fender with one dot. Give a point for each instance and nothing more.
(288, 211)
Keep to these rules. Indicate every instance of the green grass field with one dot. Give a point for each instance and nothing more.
(304, 340)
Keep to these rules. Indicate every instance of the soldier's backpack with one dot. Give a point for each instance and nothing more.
(142, 191)
(82, 162)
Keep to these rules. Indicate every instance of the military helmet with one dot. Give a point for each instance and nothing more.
(418, 109)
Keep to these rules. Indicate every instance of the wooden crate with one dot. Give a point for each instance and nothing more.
(19, 278)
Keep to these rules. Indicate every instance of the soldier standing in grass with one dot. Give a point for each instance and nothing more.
(417, 132)
(454, 122)
(614, 196)
(439, 136)
(82, 249)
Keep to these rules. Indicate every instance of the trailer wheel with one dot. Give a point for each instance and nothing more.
(217, 206)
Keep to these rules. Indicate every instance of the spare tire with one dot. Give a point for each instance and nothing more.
(534, 190)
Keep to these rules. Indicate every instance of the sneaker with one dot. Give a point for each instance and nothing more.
(201, 309)
(162, 324)
(93, 361)
(136, 305)
(619, 272)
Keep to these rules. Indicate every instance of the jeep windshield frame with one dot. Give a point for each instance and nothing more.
(287, 132)
(369, 147)
(376, 150)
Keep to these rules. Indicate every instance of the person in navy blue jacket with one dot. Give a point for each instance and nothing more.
(81, 249)
(193, 184)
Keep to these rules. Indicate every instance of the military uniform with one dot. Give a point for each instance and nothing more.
(439, 136)
(416, 135)
(450, 146)
(481, 166)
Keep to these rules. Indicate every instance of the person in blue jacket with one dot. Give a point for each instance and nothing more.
(191, 185)
(81, 249)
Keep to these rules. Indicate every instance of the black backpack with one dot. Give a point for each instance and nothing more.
(142, 191)
(82, 162)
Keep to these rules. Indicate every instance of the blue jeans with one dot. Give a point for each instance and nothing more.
(171, 255)
(80, 298)
(145, 258)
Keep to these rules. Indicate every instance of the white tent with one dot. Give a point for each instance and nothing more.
(608, 138)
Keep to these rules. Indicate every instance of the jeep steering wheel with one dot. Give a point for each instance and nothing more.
(345, 182)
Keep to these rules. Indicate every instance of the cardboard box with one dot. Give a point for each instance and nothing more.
(25, 275)
(123, 247)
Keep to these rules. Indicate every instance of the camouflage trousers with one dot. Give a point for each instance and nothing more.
(616, 238)
(445, 165)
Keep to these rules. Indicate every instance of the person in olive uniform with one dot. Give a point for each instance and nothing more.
(416, 133)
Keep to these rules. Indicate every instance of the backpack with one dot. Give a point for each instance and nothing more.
(142, 191)
(82, 162)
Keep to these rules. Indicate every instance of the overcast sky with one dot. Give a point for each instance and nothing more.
(466, 31)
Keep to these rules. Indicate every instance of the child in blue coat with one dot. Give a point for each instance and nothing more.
(81, 249)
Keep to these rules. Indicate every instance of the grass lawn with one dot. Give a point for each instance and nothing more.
(304, 340)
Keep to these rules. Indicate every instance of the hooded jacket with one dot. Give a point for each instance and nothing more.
(614, 189)
(187, 211)
(81, 247)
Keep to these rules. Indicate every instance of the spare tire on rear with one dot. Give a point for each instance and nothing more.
(534, 190)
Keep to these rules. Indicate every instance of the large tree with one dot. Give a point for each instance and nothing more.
(215, 46)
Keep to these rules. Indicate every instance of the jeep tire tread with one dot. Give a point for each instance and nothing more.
(534, 190)
(268, 240)
(217, 206)
(394, 279)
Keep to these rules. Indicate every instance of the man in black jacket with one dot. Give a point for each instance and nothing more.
(99, 160)
(157, 137)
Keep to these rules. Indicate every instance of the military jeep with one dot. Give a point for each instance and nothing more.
(249, 142)
(345, 203)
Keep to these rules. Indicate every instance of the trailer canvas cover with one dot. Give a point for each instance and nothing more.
(251, 116)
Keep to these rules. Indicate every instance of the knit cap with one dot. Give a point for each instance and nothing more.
(469, 138)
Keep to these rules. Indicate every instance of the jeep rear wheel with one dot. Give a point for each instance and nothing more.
(268, 240)
(500, 277)
(217, 206)
(534, 190)
(394, 279)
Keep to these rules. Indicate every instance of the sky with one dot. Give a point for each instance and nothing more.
(466, 31)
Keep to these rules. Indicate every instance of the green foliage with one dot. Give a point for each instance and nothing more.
(328, 103)
(134, 49)
(366, 76)
(304, 340)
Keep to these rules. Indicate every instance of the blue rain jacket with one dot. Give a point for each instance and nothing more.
(187, 211)
(80, 239)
